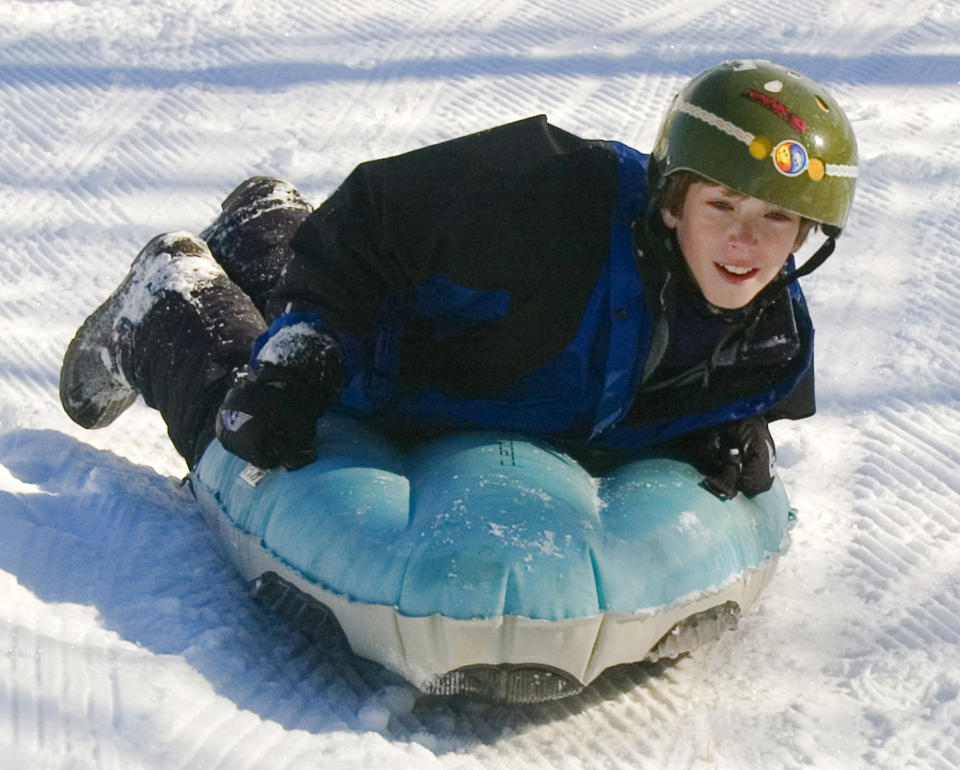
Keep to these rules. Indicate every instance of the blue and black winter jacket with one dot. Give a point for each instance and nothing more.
(511, 279)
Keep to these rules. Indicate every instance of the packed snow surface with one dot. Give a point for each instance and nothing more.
(127, 642)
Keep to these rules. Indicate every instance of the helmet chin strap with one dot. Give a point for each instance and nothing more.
(816, 259)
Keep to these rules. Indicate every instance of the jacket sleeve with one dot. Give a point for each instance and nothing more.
(340, 270)
(799, 403)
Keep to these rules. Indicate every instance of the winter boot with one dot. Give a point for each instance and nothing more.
(250, 238)
(175, 331)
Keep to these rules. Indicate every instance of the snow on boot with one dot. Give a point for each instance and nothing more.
(96, 377)
(250, 238)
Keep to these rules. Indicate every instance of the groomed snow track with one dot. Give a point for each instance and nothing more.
(127, 642)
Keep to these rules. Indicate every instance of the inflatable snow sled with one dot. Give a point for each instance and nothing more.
(493, 566)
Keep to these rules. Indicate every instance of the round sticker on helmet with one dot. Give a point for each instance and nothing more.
(816, 169)
(790, 158)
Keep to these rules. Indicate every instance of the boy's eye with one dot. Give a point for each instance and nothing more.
(780, 216)
(721, 204)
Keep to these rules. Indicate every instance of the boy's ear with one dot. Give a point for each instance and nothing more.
(668, 218)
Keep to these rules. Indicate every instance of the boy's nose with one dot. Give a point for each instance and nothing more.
(744, 231)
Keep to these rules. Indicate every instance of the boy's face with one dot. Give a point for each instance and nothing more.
(733, 244)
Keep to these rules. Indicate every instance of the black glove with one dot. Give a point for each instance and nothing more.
(735, 456)
(267, 425)
(269, 416)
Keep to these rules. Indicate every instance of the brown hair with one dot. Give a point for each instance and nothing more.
(678, 185)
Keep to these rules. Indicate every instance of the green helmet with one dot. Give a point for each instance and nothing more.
(765, 131)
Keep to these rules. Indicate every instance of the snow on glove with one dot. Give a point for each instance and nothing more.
(735, 456)
(269, 417)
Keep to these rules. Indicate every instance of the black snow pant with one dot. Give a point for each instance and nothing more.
(189, 349)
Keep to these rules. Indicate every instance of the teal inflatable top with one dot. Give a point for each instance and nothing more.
(479, 525)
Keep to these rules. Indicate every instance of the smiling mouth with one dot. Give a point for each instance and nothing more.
(736, 273)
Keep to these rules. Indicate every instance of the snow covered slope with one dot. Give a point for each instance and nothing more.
(125, 640)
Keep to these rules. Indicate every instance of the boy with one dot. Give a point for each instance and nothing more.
(521, 279)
